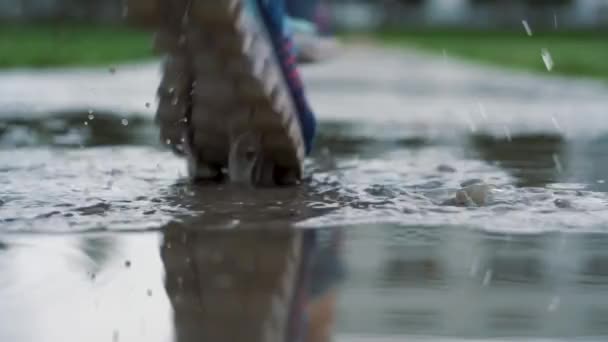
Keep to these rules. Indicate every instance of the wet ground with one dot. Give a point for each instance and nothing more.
(102, 238)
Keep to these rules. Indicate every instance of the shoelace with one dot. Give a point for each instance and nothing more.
(290, 62)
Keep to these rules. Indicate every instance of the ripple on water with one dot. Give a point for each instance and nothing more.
(431, 184)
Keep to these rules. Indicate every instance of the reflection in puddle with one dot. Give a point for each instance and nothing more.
(195, 284)
(367, 245)
(275, 285)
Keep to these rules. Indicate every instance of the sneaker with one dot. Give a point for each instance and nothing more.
(310, 45)
(231, 99)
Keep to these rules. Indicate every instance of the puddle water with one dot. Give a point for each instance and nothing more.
(396, 234)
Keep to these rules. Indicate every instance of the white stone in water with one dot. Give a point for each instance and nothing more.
(474, 195)
(527, 27)
(547, 59)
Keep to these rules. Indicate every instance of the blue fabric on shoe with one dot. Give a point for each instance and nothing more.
(273, 15)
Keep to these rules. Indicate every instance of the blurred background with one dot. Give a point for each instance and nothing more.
(405, 122)
(62, 32)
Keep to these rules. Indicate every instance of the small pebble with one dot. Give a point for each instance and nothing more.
(446, 168)
(562, 203)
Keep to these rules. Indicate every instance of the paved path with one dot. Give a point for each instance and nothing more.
(422, 93)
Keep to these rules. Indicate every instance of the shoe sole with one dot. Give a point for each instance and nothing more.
(223, 101)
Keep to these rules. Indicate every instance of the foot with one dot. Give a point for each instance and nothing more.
(231, 99)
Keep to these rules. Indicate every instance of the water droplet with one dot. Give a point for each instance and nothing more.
(558, 163)
(112, 70)
(147, 104)
(482, 110)
(547, 59)
(527, 27)
(185, 120)
(487, 278)
(601, 181)
(474, 267)
(125, 122)
(86, 123)
(171, 90)
(554, 304)
(556, 124)
(555, 20)
(149, 293)
(127, 263)
(91, 117)
(471, 124)
(507, 133)
(115, 336)
(168, 141)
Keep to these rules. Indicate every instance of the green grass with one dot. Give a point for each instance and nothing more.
(573, 53)
(42, 46)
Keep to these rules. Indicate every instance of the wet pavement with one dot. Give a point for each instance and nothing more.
(102, 238)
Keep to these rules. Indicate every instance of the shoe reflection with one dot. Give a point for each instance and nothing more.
(251, 285)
